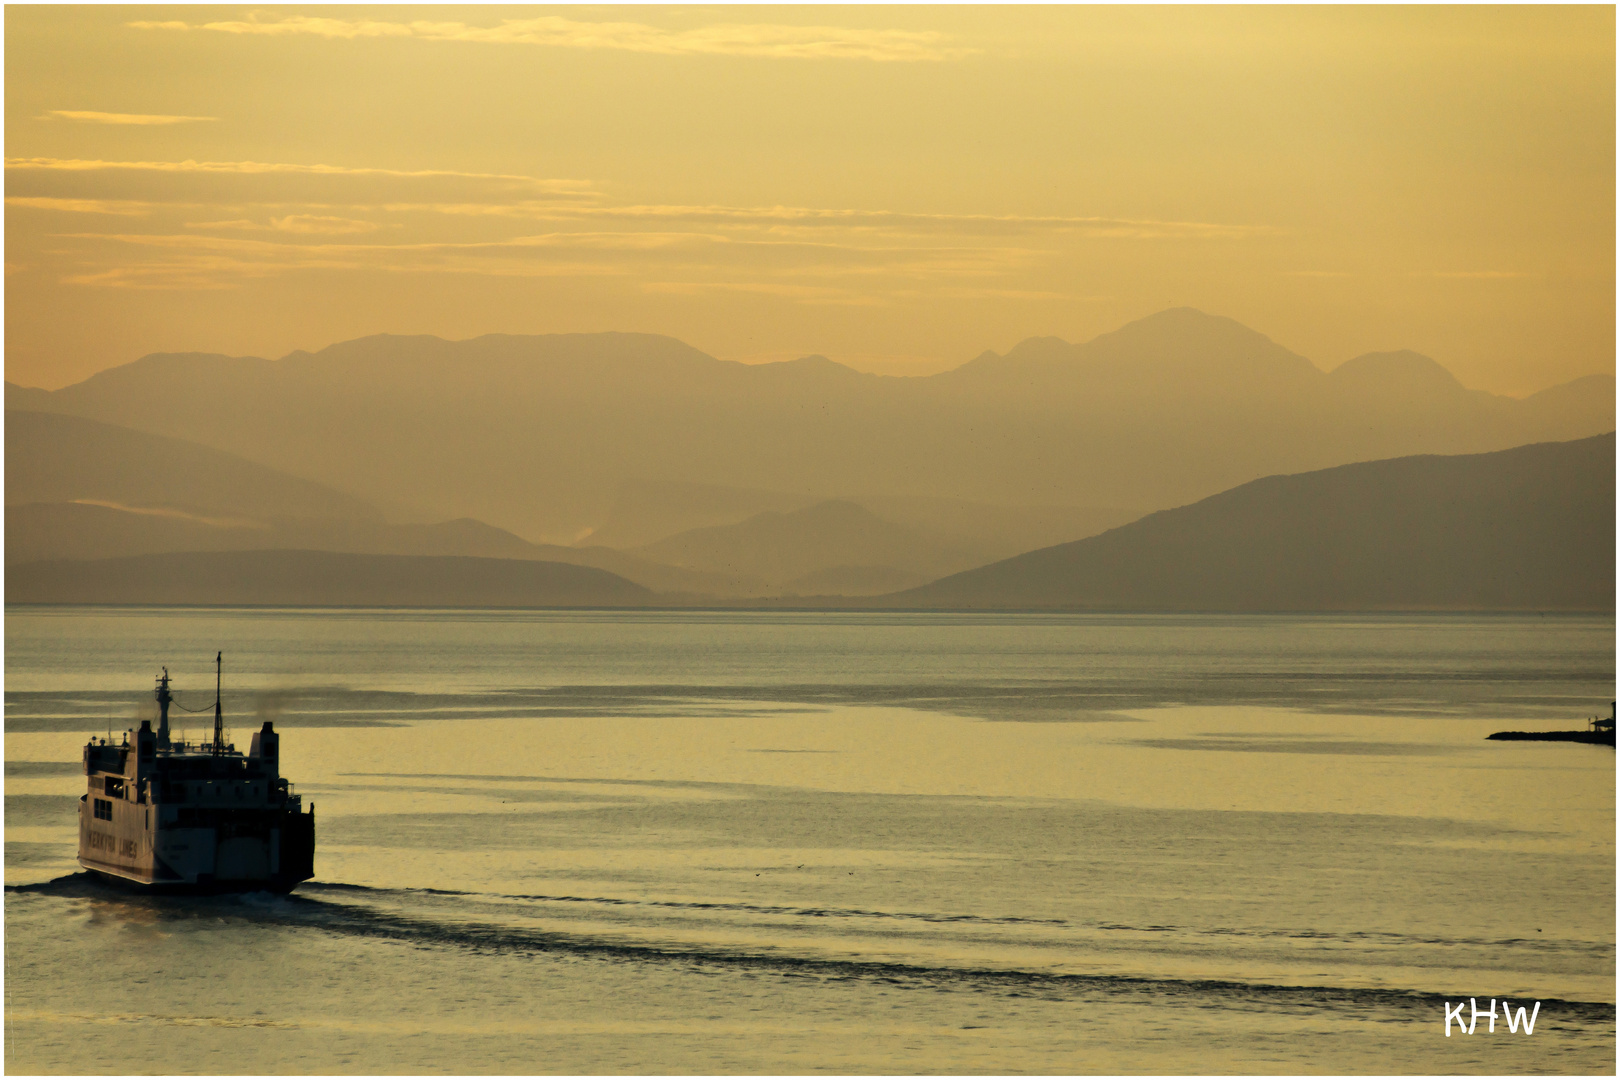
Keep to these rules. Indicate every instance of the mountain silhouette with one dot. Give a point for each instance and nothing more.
(41, 531)
(55, 458)
(319, 578)
(645, 511)
(847, 581)
(1177, 353)
(1532, 528)
(79, 489)
(1403, 375)
(779, 548)
(538, 435)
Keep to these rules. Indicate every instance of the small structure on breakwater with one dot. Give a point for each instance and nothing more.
(1599, 730)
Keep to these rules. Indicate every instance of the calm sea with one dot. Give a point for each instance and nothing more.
(584, 842)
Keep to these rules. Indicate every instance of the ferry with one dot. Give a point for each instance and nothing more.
(165, 815)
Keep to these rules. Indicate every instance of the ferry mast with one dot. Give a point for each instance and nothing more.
(163, 700)
(219, 716)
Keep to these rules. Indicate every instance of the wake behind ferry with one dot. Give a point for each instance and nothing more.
(193, 817)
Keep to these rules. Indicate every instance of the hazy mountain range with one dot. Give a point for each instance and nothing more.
(88, 490)
(703, 480)
(53, 458)
(540, 435)
(646, 511)
(79, 489)
(1531, 528)
(829, 539)
(320, 578)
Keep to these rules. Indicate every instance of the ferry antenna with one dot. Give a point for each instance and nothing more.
(219, 716)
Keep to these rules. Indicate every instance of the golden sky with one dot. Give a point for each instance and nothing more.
(898, 188)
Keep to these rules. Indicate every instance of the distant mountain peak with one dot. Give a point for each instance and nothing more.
(494, 351)
(383, 338)
(814, 364)
(1172, 344)
(1181, 316)
(1185, 327)
(829, 510)
(1396, 371)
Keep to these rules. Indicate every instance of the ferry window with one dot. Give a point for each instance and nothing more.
(104, 809)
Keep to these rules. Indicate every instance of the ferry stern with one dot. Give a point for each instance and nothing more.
(171, 816)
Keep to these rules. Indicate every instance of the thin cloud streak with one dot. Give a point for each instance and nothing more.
(217, 262)
(184, 257)
(812, 217)
(801, 254)
(140, 119)
(254, 168)
(606, 242)
(293, 223)
(121, 207)
(564, 196)
(799, 294)
(879, 218)
(955, 293)
(725, 39)
(1482, 275)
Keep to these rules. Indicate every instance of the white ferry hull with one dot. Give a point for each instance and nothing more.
(131, 851)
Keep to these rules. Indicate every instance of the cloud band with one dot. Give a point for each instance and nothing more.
(725, 39)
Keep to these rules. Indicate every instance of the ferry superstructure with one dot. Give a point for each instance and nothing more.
(200, 817)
